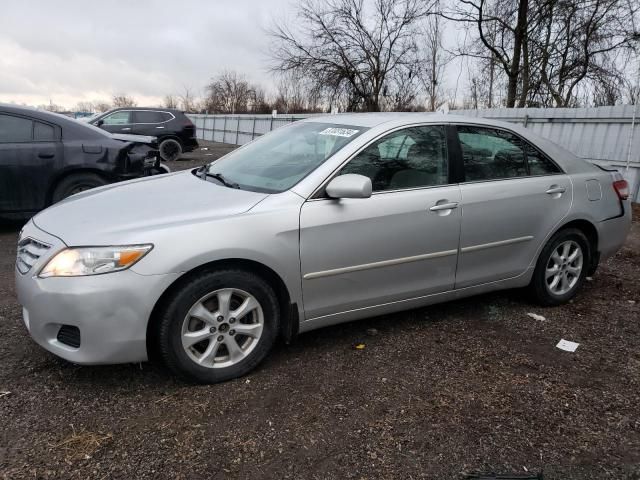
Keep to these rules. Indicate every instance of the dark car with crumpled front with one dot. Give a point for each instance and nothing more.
(45, 157)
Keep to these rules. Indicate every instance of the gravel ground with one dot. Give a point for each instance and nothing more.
(468, 385)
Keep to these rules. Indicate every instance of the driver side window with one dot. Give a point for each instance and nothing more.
(410, 158)
(117, 118)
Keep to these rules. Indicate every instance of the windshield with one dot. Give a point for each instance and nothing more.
(89, 118)
(279, 160)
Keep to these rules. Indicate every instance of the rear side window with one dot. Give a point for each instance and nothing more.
(147, 116)
(43, 132)
(491, 154)
(15, 129)
(166, 116)
(117, 118)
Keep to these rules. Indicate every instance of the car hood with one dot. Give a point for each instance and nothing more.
(130, 211)
(134, 138)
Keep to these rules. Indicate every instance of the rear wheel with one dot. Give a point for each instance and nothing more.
(218, 326)
(76, 183)
(170, 149)
(561, 268)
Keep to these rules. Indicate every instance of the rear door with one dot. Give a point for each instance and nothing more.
(399, 244)
(148, 122)
(29, 153)
(513, 196)
(117, 122)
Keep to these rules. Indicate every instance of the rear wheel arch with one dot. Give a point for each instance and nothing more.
(288, 322)
(55, 182)
(590, 231)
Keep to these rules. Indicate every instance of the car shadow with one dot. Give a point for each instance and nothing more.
(152, 376)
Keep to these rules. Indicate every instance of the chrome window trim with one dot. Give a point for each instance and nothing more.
(173, 117)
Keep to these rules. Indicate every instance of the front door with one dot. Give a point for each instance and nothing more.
(400, 243)
(513, 196)
(117, 122)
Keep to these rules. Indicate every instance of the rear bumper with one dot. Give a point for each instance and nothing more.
(190, 144)
(612, 232)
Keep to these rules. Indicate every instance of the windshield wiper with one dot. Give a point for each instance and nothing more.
(203, 173)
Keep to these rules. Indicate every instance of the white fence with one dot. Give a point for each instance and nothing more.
(604, 135)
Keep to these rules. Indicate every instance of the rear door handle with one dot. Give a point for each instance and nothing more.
(444, 206)
(126, 129)
(159, 127)
(555, 189)
(46, 155)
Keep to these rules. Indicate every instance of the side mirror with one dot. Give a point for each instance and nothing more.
(99, 123)
(349, 185)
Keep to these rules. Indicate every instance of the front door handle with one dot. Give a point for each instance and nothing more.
(46, 155)
(554, 189)
(444, 206)
(126, 129)
(159, 127)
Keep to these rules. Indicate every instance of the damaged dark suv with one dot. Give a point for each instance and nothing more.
(45, 157)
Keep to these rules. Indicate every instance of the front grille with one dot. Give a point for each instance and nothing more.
(29, 251)
(69, 335)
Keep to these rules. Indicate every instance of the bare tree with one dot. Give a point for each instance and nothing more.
(187, 100)
(170, 101)
(434, 59)
(576, 45)
(501, 27)
(229, 92)
(351, 48)
(123, 100)
(84, 107)
(100, 106)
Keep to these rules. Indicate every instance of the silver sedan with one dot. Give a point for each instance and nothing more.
(327, 220)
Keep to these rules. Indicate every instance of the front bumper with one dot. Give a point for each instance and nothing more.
(111, 311)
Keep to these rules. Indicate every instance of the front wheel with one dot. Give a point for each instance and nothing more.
(561, 268)
(218, 326)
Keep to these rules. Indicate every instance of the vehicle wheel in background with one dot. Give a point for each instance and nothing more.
(170, 150)
(561, 267)
(76, 183)
(218, 326)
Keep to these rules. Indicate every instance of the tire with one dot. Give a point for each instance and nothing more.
(193, 341)
(76, 183)
(170, 150)
(550, 289)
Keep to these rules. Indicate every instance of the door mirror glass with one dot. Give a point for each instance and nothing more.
(350, 185)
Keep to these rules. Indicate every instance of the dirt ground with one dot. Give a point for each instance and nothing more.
(473, 385)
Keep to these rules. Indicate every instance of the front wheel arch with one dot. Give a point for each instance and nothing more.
(289, 313)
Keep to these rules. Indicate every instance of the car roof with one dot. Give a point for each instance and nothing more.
(72, 127)
(154, 109)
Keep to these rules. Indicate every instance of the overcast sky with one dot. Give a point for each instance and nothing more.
(68, 51)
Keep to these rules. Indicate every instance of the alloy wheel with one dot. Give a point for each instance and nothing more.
(222, 328)
(564, 268)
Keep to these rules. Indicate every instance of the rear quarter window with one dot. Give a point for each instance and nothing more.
(43, 132)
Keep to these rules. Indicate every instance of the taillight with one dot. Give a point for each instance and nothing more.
(622, 189)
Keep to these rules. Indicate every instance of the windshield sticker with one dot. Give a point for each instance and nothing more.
(339, 132)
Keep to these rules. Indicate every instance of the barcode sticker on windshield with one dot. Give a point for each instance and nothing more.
(339, 132)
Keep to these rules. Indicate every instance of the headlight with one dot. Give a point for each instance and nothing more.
(74, 262)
